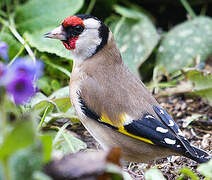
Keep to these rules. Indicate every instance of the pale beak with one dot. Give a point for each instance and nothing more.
(57, 33)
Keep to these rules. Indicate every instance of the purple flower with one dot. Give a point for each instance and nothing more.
(20, 79)
(4, 51)
(21, 88)
(27, 67)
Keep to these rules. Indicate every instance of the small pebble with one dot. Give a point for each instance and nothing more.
(179, 114)
(183, 106)
(189, 100)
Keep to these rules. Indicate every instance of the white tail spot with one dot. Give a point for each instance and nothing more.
(169, 141)
(171, 123)
(162, 130)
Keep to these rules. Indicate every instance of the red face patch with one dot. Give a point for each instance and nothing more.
(72, 21)
(71, 44)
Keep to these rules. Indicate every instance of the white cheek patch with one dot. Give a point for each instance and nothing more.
(86, 44)
(91, 23)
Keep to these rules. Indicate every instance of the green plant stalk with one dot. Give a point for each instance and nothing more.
(43, 118)
(18, 36)
(11, 26)
(7, 174)
(17, 55)
(63, 70)
(2, 13)
(188, 8)
(90, 6)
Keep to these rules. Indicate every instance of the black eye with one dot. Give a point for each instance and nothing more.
(78, 28)
(73, 31)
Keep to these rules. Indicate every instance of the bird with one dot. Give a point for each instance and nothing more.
(111, 102)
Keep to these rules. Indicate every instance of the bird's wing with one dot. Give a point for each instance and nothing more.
(149, 129)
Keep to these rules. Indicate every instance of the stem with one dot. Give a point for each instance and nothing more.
(43, 118)
(21, 40)
(2, 13)
(188, 8)
(6, 169)
(90, 6)
(4, 22)
(17, 55)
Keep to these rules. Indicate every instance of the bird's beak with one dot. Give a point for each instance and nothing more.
(57, 33)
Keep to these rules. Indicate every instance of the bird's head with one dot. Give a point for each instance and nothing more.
(84, 35)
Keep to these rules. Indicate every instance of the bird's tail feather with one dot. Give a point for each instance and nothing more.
(202, 156)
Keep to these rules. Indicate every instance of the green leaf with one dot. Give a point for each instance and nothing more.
(37, 98)
(189, 173)
(184, 43)
(154, 174)
(61, 93)
(66, 142)
(129, 13)
(40, 102)
(36, 15)
(47, 147)
(20, 137)
(59, 116)
(135, 35)
(54, 46)
(58, 67)
(202, 84)
(44, 84)
(63, 104)
(55, 85)
(38, 175)
(13, 44)
(58, 100)
(206, 169)
(25, 162)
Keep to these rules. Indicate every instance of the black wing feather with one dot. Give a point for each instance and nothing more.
(191, 152)
(146, 128)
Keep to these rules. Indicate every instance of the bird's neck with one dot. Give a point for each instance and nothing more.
(109, 54)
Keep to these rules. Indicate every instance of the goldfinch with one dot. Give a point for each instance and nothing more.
(111, 102)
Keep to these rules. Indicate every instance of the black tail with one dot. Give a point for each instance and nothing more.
(201, 156)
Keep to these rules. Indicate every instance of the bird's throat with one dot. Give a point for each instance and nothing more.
(70, 44)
